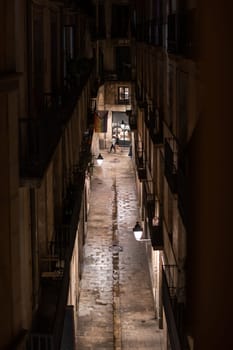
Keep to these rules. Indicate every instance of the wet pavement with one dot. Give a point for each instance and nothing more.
(115, 303)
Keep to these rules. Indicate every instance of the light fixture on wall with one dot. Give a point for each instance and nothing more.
(138, 232)
(99, 159)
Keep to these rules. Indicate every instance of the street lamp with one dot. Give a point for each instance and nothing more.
(99, 159)
(138, 232)
(123, 128)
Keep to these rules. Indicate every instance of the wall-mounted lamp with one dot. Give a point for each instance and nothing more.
(99, 159)
(138, 232)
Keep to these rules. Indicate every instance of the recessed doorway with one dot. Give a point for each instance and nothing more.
(121, 128)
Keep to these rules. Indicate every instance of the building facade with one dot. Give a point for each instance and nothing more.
(166, 93)
(47, 80)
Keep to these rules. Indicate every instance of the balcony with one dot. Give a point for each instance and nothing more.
(48, 323)
(109, 76)
(182, 194)
(122, 101)
(172, 41)
(39, 134)
(181, 33)
(150, 32)
(156, 38)
(132, 120)
(138, 93)
(154, 223)
(148, 194)
(156, 236)
(38, 139)
(140, 162)
(170, 163)
(124, 74)
(47, 327)
(154, 123)
(174, 310)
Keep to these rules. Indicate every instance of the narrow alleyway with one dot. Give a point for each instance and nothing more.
(116, 304)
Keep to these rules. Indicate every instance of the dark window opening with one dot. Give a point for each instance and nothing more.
(101, 22)
(120, 21)
(123, 63)
(68, 49)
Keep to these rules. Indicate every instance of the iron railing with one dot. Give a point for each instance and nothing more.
(38, 139)
(154, 123)
(46, 333)
(181, 33)
(174, 309)
(182, 194)
(140, 162)
(132, 120)
(40, 133)
(47, 329)
(154, 223)
(170, 318)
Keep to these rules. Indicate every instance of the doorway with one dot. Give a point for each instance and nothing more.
(121, 128)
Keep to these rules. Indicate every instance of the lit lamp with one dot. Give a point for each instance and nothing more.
(138, 232)
(99, 159)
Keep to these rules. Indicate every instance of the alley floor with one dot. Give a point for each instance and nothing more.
(115, 302)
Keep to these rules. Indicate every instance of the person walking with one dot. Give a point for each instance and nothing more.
(113, 147)
(117, 144)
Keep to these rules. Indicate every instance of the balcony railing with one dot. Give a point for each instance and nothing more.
(154, 123)
(174, 310)
(46, 333)
(122, 101)
(140, 162)
(120, 75)
(38, 139)
(182, 194)
(109, 76)
(48, 324)
(170, 164)
(132, 120)
(150, 32)
(154, 223)
(148, 193)
(138, 95)
(168, 301)
(156, 235)
(40, 134)
(181, 33)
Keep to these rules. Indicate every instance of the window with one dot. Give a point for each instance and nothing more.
(123, 95)
(120, 21)
(101, 22)
(68, 47)
(123, 63)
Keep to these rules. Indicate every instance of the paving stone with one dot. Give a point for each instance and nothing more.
(116, 303)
